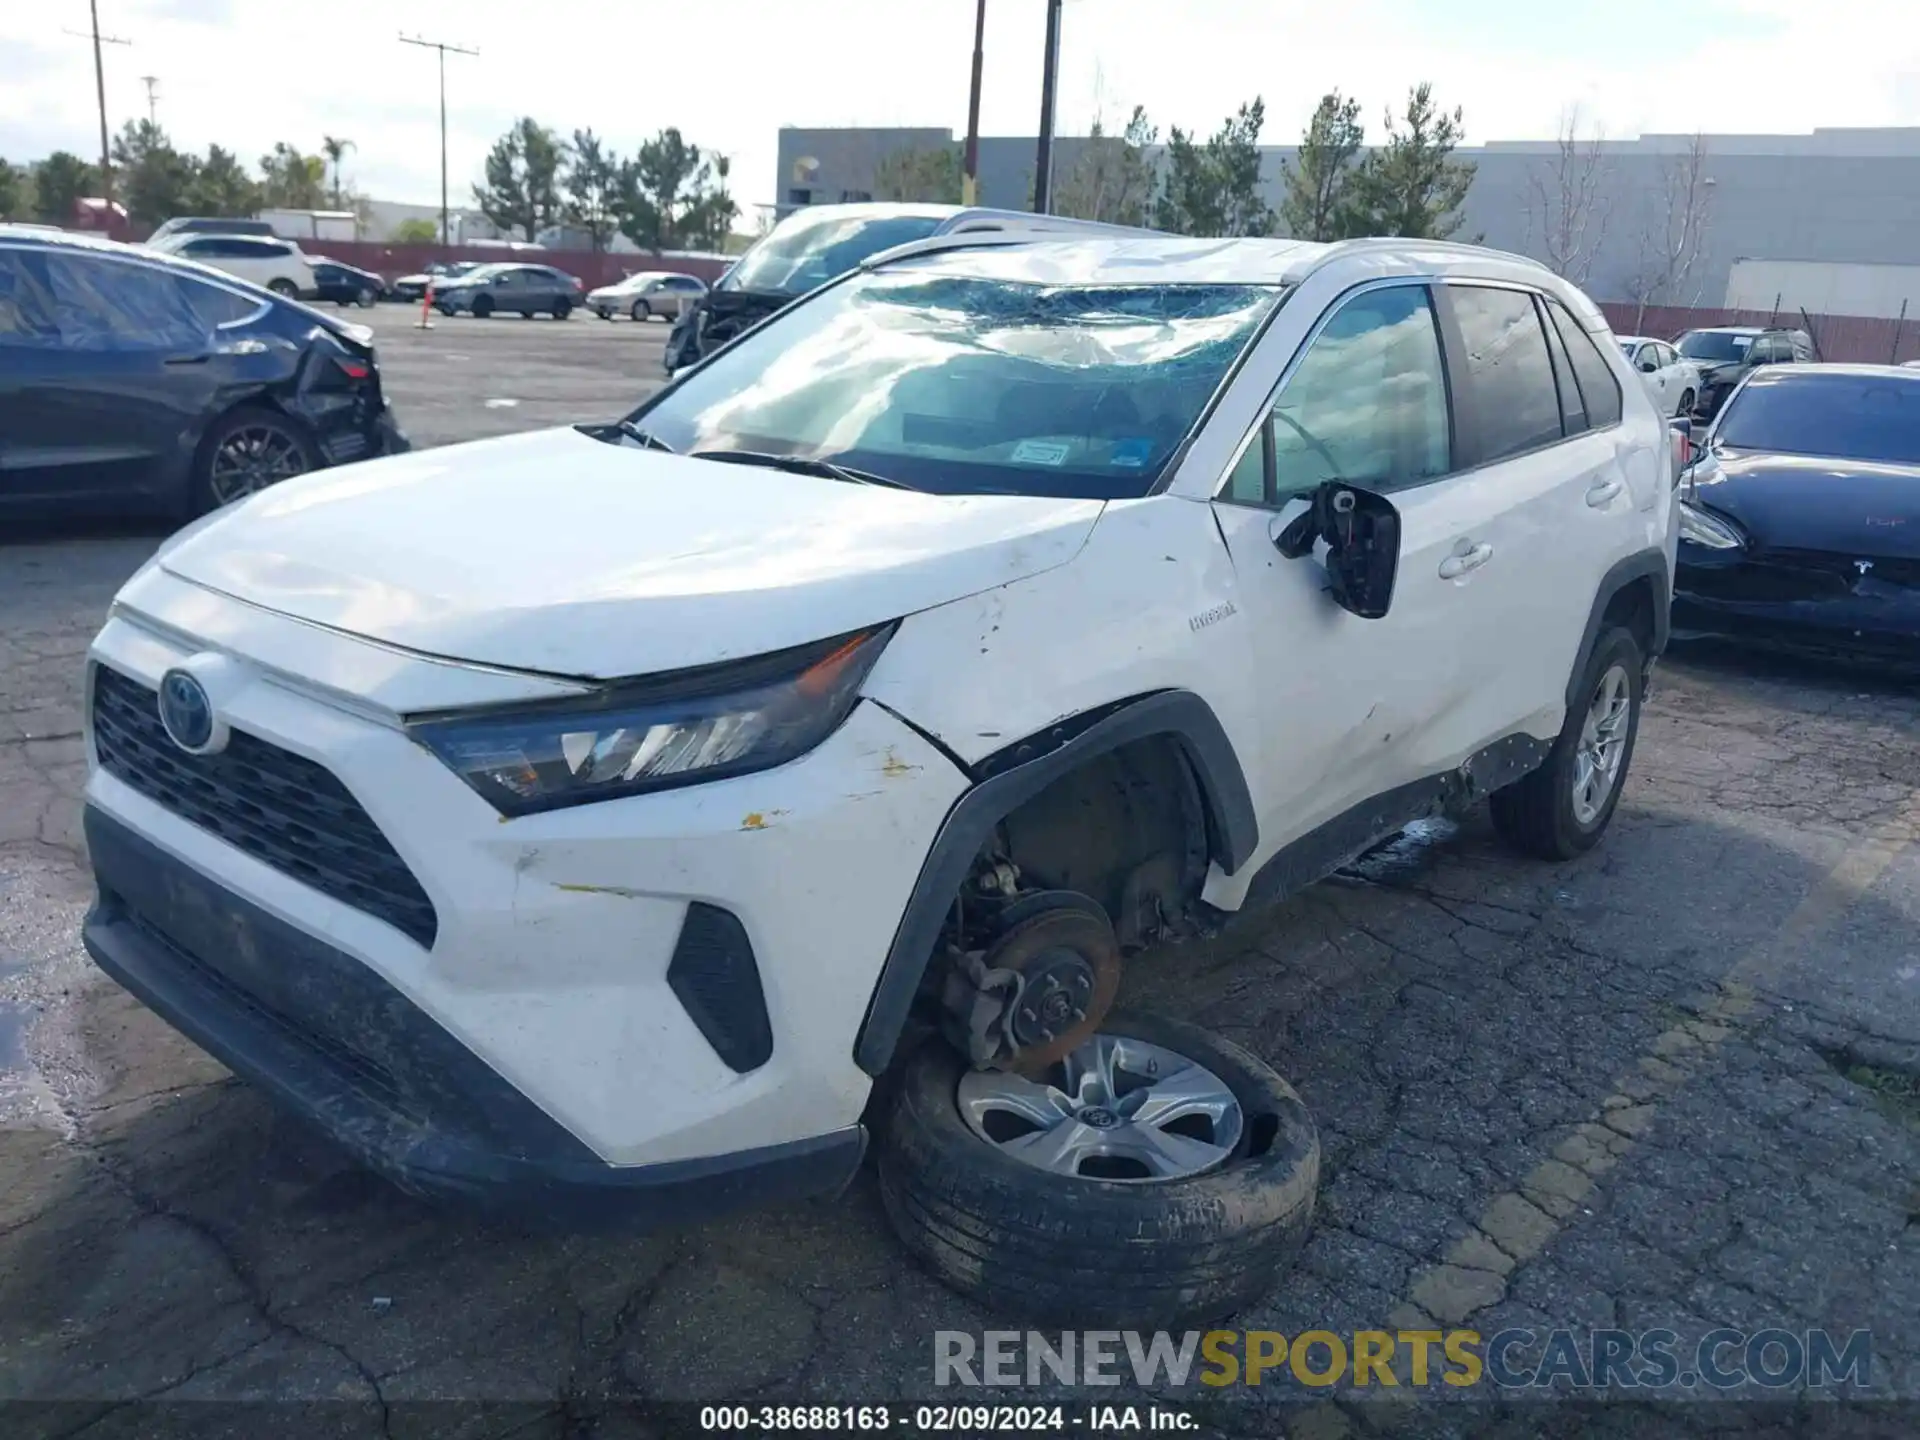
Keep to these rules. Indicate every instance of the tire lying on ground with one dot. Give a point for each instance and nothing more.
(1080, 1251)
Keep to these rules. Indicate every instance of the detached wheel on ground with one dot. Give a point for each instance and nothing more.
(1564, 807)
(245, 452)
(1157, 1175)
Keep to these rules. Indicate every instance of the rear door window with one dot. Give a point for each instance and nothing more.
(108, 304)
(1599, 389)
(1507, 373)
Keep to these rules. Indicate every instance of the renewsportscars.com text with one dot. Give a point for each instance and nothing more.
(1509, 1359)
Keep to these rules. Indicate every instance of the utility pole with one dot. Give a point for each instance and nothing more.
(1043, 160)
(100, 93)
(152, 82)
(443, 48)
(970, 168)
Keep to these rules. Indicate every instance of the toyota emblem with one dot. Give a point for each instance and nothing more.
(186, 712)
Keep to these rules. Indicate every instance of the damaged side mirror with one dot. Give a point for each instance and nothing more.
(1361, 531)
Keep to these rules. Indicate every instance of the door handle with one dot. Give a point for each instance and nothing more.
(187, 359)
(1472, 557)
(1601, 492)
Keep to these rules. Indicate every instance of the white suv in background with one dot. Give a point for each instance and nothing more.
(268, 261)
(586, 820)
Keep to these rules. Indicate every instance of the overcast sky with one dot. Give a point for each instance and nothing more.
(245, 73)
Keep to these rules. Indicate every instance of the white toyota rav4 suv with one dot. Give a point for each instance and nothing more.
(584, 822)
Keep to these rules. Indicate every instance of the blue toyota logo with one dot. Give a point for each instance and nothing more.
(186, 712)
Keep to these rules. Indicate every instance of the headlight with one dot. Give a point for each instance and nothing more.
(670, 730)
(1703, 527)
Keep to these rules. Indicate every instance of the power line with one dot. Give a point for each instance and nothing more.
(100, 93)
(444, 48)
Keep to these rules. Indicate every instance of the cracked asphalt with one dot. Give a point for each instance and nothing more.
(1670, 1084)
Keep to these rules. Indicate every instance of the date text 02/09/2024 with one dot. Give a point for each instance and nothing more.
(744, 1420)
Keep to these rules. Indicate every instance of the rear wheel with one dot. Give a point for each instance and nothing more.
(247, 451)
(561, 309)
(1686, 404)
(284, 287)
(1564, 807)
(365, 297)
(1156, 1175)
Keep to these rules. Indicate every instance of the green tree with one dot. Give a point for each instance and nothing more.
(335, 150)
(1318, 203)
(293, 180)
(661, 186)
(1113, 178)
(153, 180)
(1411, 185)
(1214, 189)
(61, 181)
(522, 190)
(416, 232)
(924, 176)
(708, 222)
(15, 191)
(221, 186)
(593, 188)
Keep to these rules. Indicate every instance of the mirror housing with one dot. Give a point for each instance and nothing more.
(1361, 531)
(1648, 367)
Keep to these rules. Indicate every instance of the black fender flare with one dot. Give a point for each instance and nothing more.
(1645, 565)
(1008, 779)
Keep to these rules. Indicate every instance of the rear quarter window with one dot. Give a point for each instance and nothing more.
(1599, 388)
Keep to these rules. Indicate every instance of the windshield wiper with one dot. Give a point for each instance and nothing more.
(645, 439)
(802, 465)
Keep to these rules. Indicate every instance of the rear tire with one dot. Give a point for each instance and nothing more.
(366, 298)
(1148, 1254)
(561, 309)
(245, 451)
(285, 288)
(1686, 405)
(1551, 814)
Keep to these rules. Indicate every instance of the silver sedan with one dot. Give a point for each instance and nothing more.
(651, 292)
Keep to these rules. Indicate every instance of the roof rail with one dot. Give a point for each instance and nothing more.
(963, 240)
(1385, 242)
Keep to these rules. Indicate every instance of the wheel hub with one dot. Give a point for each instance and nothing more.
(1039, 988)
(1059, 988)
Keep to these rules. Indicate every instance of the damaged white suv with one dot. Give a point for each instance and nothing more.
(582, 822)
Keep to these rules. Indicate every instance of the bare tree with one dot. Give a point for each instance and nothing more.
(1567, 210)
(1673, 232)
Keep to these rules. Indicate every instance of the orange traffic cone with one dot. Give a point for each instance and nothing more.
(425, 322)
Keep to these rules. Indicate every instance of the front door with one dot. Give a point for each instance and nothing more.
(1358, 708)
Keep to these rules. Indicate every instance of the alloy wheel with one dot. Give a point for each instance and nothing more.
(252, 458)
(1116, 1109)
(1603, 741)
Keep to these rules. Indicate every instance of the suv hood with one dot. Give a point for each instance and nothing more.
(558, 553)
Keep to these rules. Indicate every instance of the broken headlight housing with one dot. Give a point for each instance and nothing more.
(666, 731)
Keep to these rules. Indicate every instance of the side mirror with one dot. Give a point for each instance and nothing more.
(1362, 535)
(1648, 366)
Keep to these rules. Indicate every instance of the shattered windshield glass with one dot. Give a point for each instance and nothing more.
(957, 384)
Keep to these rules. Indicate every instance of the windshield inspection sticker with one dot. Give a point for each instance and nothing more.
(1131, 453)
(1041, 452)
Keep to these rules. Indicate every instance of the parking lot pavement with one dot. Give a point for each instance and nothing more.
(1669, 1084)
(466, 379)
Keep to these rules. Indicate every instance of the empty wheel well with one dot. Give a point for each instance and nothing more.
(1128, 828)
(1632, 605)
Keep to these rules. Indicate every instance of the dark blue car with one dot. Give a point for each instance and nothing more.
(1800, 517)
(345, 284)
(137, 381)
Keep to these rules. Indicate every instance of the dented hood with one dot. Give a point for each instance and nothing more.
(559, 553)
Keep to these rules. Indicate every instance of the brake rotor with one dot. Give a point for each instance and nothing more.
(1063, 948)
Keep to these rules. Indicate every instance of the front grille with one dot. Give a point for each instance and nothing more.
(278, 807)
(1881, 569)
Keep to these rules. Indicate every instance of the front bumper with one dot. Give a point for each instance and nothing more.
(550, 961)
(271, 1002)
(1820, 609)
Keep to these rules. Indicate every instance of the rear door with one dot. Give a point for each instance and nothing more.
(117, 405)
(1554, 498)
